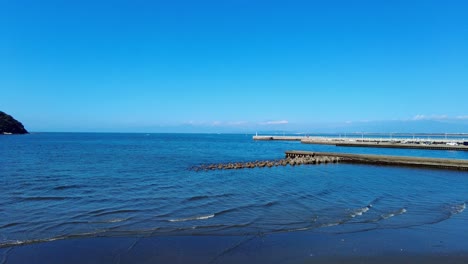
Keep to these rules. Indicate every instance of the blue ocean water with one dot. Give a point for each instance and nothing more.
(66, 185)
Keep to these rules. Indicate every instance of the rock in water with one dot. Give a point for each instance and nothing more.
(9, 125)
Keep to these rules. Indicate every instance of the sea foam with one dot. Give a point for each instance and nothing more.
(204, 217)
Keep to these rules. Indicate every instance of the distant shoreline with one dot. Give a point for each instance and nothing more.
(410, 143)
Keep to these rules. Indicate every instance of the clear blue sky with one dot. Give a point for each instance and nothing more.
(240, 64)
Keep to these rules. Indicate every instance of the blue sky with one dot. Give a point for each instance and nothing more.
(231, 65)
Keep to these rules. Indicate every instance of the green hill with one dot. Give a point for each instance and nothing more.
(9, 125)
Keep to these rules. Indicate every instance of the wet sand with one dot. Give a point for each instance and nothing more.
(415, 245)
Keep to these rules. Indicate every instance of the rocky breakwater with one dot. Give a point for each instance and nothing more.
(291, 161)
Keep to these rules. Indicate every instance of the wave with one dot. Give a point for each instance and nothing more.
(229, 210)
(64, 187)
(102, 212)
(360, 211)
(234, 209)
(202, 197)
(9, 225)
(330, 224)
(13, 243)
(46, 198)
(65, 224)
(392, 214)
(457, 209)
(447, 214)
(299, 229)
(115, 220)
(348, 219)
(204, 217)
(385, 216)
(209, 229)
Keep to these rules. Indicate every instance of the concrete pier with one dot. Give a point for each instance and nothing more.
(435, 144)
(295, 158)
(456, 164)
(376, 143)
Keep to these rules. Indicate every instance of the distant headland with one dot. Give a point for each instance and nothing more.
(9, 125)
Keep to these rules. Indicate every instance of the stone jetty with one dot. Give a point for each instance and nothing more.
(439, 163)
(291, 161)
(296, 158)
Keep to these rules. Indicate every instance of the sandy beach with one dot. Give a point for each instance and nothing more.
(328, 246)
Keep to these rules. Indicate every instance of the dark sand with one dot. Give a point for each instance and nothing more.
(413, 245)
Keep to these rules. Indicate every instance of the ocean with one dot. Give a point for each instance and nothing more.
(67, 187)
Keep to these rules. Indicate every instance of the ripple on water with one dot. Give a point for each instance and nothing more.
(119, 184)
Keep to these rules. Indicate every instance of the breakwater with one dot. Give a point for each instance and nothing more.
(284, 138)
(295, 157)
(291, 160)
(457, 164)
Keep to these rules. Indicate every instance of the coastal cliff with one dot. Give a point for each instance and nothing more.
(9, 125)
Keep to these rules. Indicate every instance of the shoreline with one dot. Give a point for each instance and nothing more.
(375, 246)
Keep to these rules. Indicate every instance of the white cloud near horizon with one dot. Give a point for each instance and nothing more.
(215, 123)
(278, 122)
(430, 117)
(237, 123)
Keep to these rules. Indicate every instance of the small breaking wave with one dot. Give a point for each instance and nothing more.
(13, 243)
(387, 215)
(392, 214)
(115, 220)
(330, 224)
(204, 217)
(360, 211)
(457, 209)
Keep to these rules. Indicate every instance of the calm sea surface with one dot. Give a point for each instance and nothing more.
(67, 185)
